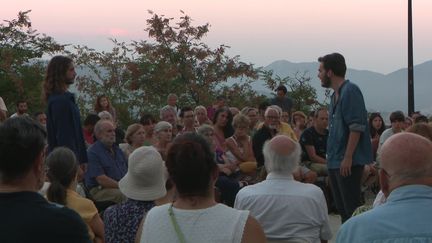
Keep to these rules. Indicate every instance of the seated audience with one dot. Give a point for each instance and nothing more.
(421, 119)
(226, 182)
(299, 122)
(187, 118)
(63, 174)
(421, 129)
(222, 124)
(239, 145)
(194, 216)
(134, 138)
(234, 110)
(88, 129)
(105, 115)
(41, 118)
(376, 128)
(168, 114)
(252, 114)
(288, 211)
(148, 121)
(106, 165)
(201, 115)
(271, 127)
(397, 119)
(142, 185)
(314, 143)
(103, 104)
(405, 178)
(163, 134)
(26, 215)
(219, 103)
(21, 109)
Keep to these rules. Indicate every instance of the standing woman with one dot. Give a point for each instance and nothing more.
(194, 216)
(104, 104)
(63, 174)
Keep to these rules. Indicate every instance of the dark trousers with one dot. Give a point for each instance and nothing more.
(346, 190)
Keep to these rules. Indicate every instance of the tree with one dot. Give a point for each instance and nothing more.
(107, 73)
(299, 89)
(21, 74)
(178, 61)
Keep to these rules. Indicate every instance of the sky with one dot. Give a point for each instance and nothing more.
(371, 34)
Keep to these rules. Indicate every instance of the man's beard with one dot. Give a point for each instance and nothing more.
(326, 82)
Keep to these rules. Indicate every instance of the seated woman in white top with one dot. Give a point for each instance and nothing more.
(194, 216)
(239, 146)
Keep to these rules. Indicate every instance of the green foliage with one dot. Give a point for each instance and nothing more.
(20, 74)
(107, 73)
(178, 61)
(299, 89)
(137, 77)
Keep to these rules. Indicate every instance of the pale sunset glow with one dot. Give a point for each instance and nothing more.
(371, 34)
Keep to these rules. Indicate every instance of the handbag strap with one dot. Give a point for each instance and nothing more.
(175, 225)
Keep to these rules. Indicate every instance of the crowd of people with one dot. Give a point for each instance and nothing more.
(262, 173)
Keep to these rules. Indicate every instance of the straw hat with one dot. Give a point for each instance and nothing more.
(145, 179)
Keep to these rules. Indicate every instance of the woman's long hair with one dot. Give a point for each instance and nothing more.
(62, 169)
(372, 130)
(55, 78)
(228, 129)
(97, 106)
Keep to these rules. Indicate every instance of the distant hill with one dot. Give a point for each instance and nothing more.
(382, 92)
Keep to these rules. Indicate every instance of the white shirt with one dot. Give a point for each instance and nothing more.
(287, 209)
(219, 223)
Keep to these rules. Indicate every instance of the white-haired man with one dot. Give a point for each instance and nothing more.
(405, 178)
(106, 164)
(287, 210)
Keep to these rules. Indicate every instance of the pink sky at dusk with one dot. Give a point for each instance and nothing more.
(372, 34)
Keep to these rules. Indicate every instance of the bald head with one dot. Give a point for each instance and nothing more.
(281, 154)
(407, 159)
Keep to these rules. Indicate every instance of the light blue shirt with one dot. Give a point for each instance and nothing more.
(348, 114)
(405, 217)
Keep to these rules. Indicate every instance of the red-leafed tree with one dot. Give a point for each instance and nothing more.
(21, 70)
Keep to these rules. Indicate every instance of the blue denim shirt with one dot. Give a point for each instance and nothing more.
(102, 162)
(405, 217)
(347, 114)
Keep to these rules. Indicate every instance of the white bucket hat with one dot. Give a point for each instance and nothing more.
(145, 178)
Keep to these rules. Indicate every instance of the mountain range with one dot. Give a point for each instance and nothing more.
(382, 92)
